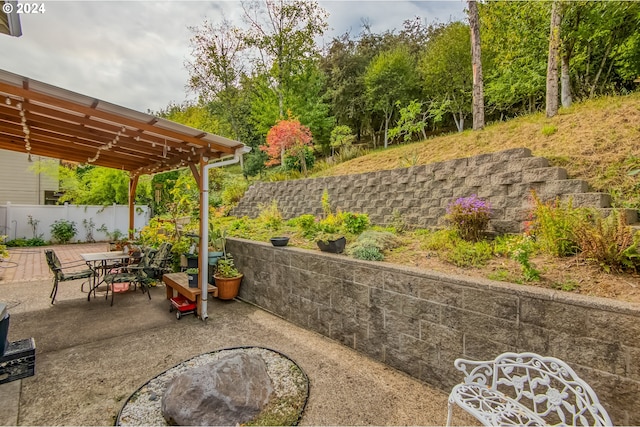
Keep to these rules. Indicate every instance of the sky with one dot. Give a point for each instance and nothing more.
(133, 53)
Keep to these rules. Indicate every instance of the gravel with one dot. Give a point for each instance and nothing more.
(290, 387)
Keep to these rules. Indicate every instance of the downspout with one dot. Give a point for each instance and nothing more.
(204, 226)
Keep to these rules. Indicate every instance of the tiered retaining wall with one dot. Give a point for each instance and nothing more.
(419, 321)
(420, 194)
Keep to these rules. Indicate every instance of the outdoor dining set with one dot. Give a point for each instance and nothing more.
(118, 271)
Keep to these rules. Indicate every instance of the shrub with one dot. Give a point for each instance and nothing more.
(306, 224)
(370, 244)
(469, 254)
(3, 249)
(368, 253)
(548, 130)
(553, 225)
(63, 231)
(270, 215)
(609, 242)
(233, 192)
(521, 253)
(469, 216)
(354, 223)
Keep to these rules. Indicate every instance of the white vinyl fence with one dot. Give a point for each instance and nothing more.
(14, 220)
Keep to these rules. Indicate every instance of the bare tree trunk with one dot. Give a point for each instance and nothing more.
(565, 82)
(552, 63)
(476, 60)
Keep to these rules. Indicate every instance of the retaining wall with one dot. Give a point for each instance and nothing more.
(421, 193)
(420, 321)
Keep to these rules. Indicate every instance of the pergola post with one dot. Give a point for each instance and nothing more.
(133, 185)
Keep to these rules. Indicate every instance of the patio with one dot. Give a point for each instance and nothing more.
(91, 357)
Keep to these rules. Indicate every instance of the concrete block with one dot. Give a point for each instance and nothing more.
(492, 168)
(482, 348)
(631, 215)
(441, 337)
(511, 153)
(479, 160)
(480, 326)
(505, 178)
(421, 309)
(544, 174)
(552, 189)
(587, 200)
(396, 324)
(556, 316)
(403, 362)
(495, 304)
(419, 349)
(604, 356)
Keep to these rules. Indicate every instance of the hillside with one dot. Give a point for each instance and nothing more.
(597, 141)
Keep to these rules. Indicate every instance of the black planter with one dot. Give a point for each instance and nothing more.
(192, 261)
(333, 246)
(193, 280)
(279, 241)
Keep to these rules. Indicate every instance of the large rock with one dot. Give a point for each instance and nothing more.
(230, 391)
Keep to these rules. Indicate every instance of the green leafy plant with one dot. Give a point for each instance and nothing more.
(369, 253)
(63, 231)
(609, 242)
(226, 267)
(306, 224)
(270, 215)
(354, 223)
(326, 204)
(522, 253)
(192, 271)
(548, 130)
(553, 225)
(469, 216)
(469, 254)
(4, 253)
(113, 236)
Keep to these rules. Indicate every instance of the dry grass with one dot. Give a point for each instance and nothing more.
(596, 141)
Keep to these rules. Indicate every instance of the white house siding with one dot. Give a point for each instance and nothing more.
(20, 185)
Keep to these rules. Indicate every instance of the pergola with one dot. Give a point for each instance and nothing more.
(41, 119)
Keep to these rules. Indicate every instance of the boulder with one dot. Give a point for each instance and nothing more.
(230, 391)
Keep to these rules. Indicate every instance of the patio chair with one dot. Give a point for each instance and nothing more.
(160, 263)
(131, 274)
(59, 273)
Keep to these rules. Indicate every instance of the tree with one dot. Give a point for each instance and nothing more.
(515, 41)
(287, 137)
(476, 64)
(552, 63)
(446, 72)
(217, 67)
(389, 78)
(283, 33)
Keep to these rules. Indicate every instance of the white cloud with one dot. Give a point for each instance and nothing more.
(132, 53)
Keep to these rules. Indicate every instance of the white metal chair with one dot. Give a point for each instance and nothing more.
(526, 389)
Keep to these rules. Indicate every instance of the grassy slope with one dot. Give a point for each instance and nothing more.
(598, 141)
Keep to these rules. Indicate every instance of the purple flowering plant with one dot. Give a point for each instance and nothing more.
(469, 216)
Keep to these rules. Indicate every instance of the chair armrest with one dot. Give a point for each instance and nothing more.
(476, 372)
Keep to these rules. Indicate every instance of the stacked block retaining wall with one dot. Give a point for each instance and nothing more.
(420, 321)
(420, 194)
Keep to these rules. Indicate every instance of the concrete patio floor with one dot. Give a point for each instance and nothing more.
(91, 357)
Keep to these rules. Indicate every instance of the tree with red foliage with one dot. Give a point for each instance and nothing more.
(290, 137)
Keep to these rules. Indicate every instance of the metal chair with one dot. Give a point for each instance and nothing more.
(135, 274)
(59, 273)
(160, 263)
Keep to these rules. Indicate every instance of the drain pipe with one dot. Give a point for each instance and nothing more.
(204, 225)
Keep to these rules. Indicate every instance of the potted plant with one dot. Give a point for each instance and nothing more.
(192, 275)
(331, 242)
(227, 277)
(216, 244)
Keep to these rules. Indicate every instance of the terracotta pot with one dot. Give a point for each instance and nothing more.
(228, 287)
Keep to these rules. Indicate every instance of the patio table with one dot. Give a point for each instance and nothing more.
(99, 263)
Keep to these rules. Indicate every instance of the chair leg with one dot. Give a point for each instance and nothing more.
(449, 414)
(54, 291)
